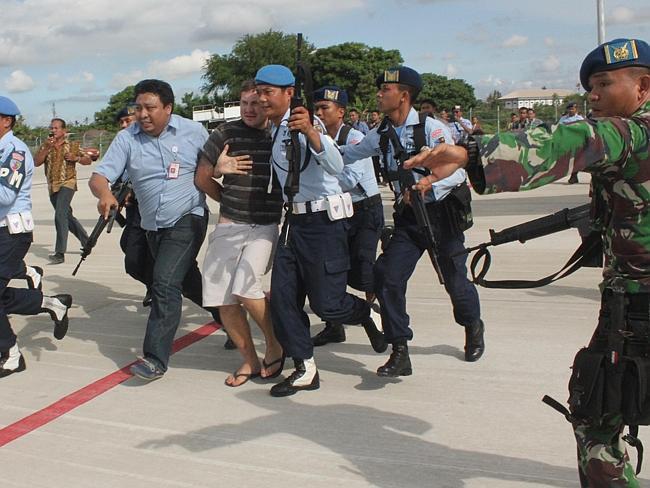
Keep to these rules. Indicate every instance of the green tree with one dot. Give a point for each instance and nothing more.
(105, 118)
(447, 92)
(353, 66)
(493, 99)
(225, 73)
(189, 100)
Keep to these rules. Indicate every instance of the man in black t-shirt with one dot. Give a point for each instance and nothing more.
(240, 248)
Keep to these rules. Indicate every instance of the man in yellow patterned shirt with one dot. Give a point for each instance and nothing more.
(61, 157)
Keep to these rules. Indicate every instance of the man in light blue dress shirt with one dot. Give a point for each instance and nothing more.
(160, 153)
(398, 88)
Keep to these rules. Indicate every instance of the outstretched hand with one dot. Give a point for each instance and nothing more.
(442, 161)
(232, 165)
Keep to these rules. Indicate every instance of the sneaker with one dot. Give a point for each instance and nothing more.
(34, 277)
(146, 301)
(56, 258)
(57, 306)
(11, 361)
(147, 370)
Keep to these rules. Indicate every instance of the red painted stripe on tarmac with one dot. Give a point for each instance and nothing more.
(70, 402)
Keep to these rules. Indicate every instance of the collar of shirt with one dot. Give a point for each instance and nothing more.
(283, 122)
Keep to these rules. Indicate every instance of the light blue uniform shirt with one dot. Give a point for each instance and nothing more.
(566, 119)
(162, 200)
(17, 166)
(435, 133)
(361, 172)
(457, 130)
(318, 180)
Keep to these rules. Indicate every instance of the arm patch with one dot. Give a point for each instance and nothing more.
(12, 170)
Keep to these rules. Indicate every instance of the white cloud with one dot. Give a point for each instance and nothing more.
(549, 41)
(515, 41)
(621, 15)
(18, 82)
(451, 70)
(122, 80)
(180, 66)
(550, 63)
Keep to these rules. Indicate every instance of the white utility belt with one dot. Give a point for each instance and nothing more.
(337, 206)
(18, 223)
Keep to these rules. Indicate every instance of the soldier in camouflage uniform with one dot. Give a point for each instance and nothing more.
(614, 148)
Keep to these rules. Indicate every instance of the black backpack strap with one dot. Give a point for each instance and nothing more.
(419, 135)
(584, 253)
(342, 139)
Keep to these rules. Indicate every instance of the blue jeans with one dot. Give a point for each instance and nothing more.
(64, 220)
(175, 273)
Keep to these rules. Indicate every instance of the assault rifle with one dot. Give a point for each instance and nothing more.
(120, 191)
(294, 156)
(406, 182)
(542, 226)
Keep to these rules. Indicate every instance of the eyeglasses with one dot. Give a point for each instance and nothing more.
(456, 111)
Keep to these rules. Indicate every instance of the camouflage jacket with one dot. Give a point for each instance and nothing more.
(615, 151)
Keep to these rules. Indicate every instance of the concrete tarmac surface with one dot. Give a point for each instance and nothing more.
(451, 424)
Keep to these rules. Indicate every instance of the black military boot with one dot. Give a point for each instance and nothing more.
(398, 364)
(331, 333)
(377, 339)
(474, 343)
(305, 377)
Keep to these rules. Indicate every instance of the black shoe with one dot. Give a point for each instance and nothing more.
(331, 333)
(35, 279)
(59, 314)
(146, 301)
(293, 383)
(474, 343)
(398, 364)
(10, 364)
(377, 339)
(573, 179)
(229, 345)
(56, 258)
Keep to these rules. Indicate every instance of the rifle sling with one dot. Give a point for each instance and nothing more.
(581, 255)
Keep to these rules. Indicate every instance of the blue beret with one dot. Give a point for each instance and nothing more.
(331, 93)
(401, 75)
(8, 107)
(276, 75)
(616, 54)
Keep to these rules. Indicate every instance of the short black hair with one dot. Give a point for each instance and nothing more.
(352, 110)
(57, 119)
(157, 87)
(430, 102)
(412, 91)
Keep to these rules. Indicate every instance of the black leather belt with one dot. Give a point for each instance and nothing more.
(367, 202)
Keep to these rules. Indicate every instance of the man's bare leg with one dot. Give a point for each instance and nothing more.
(234, 320)
(261, 313)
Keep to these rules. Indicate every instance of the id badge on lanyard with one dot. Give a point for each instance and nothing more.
(174, 166)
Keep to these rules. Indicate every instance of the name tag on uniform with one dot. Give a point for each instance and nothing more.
(172, 171)
(15, 224)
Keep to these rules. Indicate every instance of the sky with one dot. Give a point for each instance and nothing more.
(76, 53)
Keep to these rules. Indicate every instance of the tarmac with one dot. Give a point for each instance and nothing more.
(451, 424)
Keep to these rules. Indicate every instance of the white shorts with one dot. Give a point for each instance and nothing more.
(237, 257)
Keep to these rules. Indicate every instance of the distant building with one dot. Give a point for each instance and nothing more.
(534, 96)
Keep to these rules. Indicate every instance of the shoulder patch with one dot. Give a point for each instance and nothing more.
(12, 170)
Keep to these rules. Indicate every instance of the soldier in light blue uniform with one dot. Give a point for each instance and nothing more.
(446, 206)
(16, 226)
(359, 180)
(312, 257)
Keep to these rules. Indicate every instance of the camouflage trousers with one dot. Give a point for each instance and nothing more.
(603, 461)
